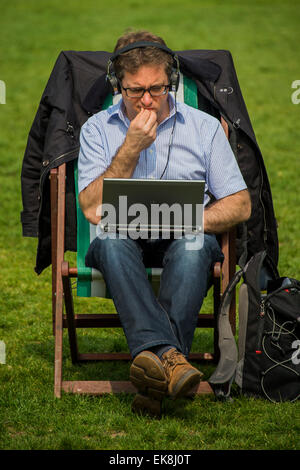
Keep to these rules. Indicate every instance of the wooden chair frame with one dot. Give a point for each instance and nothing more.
(62, 297)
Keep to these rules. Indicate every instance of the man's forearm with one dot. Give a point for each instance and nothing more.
(227, 212)
(141, 134)
(122, 166)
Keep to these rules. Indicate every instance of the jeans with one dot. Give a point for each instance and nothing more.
(171, 318)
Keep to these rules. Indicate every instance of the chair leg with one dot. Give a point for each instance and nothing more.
(216, 300)
(53, 202)
(58, 343)
(232, 268)
(69, 311)
(59, 256)
(228, 270)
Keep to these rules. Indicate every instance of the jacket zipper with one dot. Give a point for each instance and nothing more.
(260, 328)
(265, 236)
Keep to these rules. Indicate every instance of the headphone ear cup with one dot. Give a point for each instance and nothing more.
(112, 78)
(175, 74)
(114, 82)
(174, 81)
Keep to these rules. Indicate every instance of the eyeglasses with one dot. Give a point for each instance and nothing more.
(155, 90)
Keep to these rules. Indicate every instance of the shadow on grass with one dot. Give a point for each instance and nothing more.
(92, 370)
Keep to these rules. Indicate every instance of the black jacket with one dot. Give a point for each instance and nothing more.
(77, 88)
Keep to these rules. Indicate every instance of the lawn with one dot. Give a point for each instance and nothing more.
(263, 37)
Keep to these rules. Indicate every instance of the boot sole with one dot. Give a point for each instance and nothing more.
(148, 376)
(186, 383)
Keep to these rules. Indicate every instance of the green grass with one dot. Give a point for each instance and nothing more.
(263, 37)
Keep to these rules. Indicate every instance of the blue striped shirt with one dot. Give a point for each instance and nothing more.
(199, 150)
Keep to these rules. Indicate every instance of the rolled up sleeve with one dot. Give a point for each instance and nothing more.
(223, 176)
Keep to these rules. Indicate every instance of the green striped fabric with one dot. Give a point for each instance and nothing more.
(90, 282)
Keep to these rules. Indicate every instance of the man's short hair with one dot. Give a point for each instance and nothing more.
(132, 60)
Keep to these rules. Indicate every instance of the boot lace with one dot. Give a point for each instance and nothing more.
(173, 359)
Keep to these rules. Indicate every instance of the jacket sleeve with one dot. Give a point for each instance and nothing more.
(34, 157)
(30, 175)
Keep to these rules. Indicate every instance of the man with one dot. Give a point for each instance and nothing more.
(132, 140)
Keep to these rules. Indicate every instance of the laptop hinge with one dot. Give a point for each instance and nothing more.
(121, 228)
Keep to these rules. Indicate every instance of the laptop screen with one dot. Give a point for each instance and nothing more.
(152, 205)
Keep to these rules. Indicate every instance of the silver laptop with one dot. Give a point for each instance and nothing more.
(152, 206)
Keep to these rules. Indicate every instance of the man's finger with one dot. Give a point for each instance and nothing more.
(151, 120)
(141, 118)
(145, 119)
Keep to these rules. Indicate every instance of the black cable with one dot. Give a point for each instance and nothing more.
(171, 138)
(277, 331)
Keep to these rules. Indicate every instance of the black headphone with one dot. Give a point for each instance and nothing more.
(112, 78)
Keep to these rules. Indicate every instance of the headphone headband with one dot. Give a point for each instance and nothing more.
(136, 45)
(140, 44)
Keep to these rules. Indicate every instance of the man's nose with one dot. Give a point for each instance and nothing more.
(146, 98)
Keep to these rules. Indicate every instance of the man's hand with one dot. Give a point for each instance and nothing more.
(141, 134)
(142, 131)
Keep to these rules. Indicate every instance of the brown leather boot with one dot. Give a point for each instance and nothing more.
(148, 376)
(181, 375)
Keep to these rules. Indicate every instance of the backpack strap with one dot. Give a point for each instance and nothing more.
(223, 376)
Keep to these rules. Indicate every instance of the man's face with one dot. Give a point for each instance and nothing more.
(146, 77)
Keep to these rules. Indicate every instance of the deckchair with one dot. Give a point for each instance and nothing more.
(91, 283)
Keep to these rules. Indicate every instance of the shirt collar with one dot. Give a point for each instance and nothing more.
(176, 106)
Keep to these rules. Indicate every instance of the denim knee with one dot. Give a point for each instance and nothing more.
(110, 250)
(97, 251)
(206, 249)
